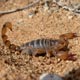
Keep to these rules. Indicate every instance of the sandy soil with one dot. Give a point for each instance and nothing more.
(44, 24)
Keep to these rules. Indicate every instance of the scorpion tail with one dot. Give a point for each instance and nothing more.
(7, 25)
(4, 30)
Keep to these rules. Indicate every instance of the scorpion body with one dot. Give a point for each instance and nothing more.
(40, 46)
(57, 47)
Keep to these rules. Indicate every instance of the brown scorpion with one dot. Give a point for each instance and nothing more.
(51, 47)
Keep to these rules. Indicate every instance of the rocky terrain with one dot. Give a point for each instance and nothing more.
(45, 19)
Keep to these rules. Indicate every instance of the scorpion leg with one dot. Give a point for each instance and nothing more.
(27, 50)
(68, 36)
(48, 53)
(38, 52)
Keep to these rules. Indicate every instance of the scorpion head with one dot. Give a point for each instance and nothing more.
(61, 44)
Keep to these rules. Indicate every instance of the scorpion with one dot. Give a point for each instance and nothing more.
(51, 47)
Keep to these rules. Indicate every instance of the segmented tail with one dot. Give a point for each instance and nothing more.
(7, 25)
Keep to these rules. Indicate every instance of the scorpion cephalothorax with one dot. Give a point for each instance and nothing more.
(57, 47)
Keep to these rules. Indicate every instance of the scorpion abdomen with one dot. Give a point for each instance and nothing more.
(40, 43)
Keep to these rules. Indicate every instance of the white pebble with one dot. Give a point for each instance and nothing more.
(46, 7)
(30, 15)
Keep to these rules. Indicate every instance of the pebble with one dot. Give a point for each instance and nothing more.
(31, 15)
(46, 7)
(49, 76)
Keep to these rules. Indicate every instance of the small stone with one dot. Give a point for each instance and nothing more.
(49, 76)
(46, 7)
(31, 14)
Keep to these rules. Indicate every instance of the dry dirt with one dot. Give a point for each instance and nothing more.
(43, 24)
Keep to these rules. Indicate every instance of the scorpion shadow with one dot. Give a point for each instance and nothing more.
(73, 75)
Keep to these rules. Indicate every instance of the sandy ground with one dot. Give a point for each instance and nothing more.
(43, 24)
